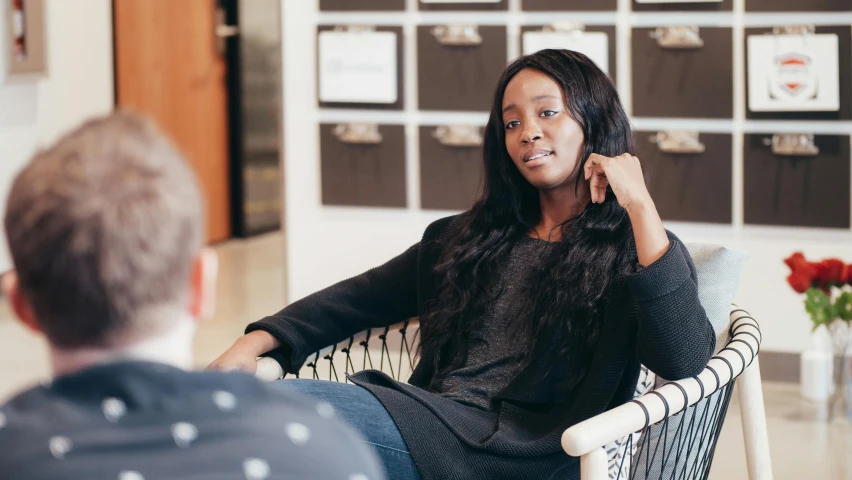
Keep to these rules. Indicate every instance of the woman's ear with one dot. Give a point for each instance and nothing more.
(20, 306)
(205, 271)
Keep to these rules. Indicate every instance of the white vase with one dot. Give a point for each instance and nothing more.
(816, 379)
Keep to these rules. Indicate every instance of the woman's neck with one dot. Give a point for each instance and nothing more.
(557, 207)
(173, 347)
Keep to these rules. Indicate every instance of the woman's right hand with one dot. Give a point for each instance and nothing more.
(242, 355)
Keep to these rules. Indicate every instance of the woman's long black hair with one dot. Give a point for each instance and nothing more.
(563, 304)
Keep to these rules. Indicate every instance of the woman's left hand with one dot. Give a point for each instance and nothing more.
(623, 173)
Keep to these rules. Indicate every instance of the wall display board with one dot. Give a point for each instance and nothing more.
(713, 89)
(451, 169)
(682, 5)
(799, 180)
(457, 5)
(683, 71)
(568, 5)
(361, 5)
(799, 72)
(798, 6)
(24, 43)
(360, 67)
(688, 174)
(362, 165)
(458, 65)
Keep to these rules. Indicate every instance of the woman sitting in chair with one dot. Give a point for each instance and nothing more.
(536, 307)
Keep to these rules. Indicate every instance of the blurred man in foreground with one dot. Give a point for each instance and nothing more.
(105, 229)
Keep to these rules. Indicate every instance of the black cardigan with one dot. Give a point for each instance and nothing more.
(653, 318)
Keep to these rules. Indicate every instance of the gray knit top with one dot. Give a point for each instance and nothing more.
(492, 354)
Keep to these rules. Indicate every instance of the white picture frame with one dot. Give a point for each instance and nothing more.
(793, 73)
(358, 67)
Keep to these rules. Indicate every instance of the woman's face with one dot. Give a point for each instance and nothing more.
(542, 137)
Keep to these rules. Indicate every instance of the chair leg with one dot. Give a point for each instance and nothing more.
(593, 465)
(754, 423)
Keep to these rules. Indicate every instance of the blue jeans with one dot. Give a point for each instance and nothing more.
(358, 407)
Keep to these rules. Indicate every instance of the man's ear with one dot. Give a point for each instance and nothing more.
(20, 306)
(202, 288)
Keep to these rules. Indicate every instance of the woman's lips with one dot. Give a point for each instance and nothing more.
(536, 157)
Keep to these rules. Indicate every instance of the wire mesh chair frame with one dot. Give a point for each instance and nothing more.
(360, 345)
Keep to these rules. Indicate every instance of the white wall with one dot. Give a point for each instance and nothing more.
(78, 84)
(325, 245)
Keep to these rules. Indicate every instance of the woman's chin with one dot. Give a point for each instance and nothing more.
(550, 183)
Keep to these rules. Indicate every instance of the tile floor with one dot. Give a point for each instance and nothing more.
(251, 281)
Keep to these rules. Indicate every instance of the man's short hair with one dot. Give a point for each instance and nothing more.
(103, 228)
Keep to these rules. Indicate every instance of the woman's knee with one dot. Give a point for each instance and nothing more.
(331, 392)
(354, 405)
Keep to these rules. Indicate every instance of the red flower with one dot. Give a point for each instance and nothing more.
(799, 282)
(803, 273)
(798, 264)
(832, 270)
(796, 261)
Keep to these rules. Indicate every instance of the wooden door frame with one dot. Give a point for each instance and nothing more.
(233, 86)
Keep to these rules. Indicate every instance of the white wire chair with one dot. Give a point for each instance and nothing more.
(670, 432)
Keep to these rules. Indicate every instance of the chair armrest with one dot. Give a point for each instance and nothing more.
(672, 397)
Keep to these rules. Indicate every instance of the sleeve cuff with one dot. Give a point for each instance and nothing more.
(284, 353)
(662, 277)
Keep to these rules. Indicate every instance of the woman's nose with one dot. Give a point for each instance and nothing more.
(531, 134)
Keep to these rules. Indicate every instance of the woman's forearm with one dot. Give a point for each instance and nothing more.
(259, 341)
(651, 239)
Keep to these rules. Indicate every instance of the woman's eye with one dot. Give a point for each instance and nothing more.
(512, 124)
(549, 113)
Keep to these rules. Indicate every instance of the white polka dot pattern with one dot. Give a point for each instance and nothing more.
(358, 476)
(113, 409)
(298, 433)
(255, 469)
(59, 446)
(325, 410)
(226, 401)
(130, 475)
(184, 434)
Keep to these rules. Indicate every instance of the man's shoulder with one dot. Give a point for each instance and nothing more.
(227, 419)
(122, 391)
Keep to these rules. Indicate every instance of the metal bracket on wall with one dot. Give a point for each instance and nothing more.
(793, 30)
(458, 135)
(679, 37)
(565, 27)
(792, 144)
(358, 133)
(355, 28)
(457, 35)
(678, 141)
